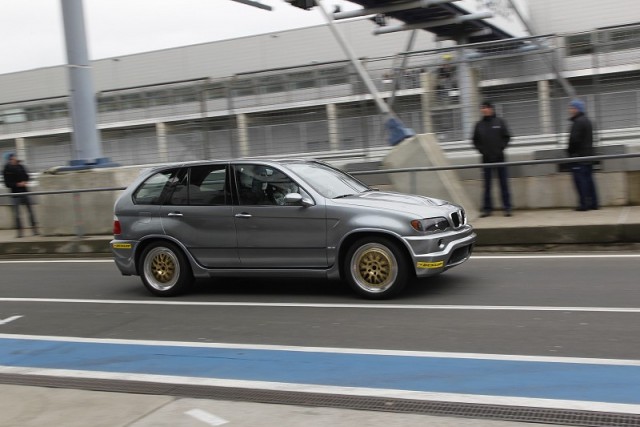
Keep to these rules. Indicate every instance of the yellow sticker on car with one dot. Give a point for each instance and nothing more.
(437, 264)
(121, 246)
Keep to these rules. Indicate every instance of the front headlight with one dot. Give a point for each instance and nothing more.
(430, 225)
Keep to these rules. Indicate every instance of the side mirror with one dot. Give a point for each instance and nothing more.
(297, 199)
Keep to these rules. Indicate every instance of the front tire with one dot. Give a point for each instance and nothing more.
(164, 269)
(376, 267)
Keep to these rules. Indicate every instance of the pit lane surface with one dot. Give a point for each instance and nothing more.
(574, 318)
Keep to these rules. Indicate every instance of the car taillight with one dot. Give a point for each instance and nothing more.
(116, 226)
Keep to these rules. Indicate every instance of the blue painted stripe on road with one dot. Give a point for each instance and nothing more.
(525, 379)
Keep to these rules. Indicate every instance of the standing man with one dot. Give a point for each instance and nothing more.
(16, 178)
(490, 137)
(581, 145)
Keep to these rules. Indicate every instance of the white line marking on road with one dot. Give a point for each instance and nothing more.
(336, 350)
(55, 261)
(9, 319)
(206, 417)
(349, 391)
(327, 305)
(533, 256)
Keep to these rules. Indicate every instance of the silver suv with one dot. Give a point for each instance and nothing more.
(288, 218)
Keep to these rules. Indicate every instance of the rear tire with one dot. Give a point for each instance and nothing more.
(376, 267)
(164, 269)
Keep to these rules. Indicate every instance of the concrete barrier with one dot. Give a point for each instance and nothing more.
(532, 187)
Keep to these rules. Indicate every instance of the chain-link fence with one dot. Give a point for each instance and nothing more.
(324, 108)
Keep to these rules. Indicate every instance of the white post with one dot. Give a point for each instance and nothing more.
(332, 123)
(243, 134)
(427, 83)
(161, 134)
(544, 106)
(21, 149)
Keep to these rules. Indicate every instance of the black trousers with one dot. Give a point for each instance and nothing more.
(22, 199)
(586, 188)
(501, 171)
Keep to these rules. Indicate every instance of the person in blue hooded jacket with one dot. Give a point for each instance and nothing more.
(581, 145)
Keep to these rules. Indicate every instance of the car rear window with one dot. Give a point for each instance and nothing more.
(151, 190)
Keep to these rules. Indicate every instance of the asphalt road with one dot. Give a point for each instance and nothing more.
(539, 331)
(525, 305)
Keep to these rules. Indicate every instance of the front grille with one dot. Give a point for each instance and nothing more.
(458, 218)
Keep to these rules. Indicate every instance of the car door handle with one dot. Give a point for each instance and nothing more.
(243, 215)
(175, 214)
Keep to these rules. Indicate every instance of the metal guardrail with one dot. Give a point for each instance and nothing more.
(72, 191)
(77, 207)
(563, 160)
(493, 165)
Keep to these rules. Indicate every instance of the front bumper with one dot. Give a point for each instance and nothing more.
(436, 253)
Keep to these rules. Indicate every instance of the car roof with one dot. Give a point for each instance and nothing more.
(232, 162)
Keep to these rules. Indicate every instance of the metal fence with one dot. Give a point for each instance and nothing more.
(324, 108)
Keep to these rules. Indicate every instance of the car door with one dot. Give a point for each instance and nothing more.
(270, 233)
(199, 214)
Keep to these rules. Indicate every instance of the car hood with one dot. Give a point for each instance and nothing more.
(391, 200)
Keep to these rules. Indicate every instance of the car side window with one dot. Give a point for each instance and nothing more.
(208, 186)
(152, 190)
(263, 185)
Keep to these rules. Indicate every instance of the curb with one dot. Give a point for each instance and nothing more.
(520, 239)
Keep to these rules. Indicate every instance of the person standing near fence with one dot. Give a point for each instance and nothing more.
(581, 145)
(490, 137)
(16, 178)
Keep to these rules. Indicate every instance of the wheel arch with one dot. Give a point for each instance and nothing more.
(143, 244)
(349, 240)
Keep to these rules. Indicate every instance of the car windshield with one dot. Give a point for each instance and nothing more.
(329, 182)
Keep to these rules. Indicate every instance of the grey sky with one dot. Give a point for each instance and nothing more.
(32, 34)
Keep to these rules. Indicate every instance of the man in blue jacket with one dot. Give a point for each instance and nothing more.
(581, 145)
(490, 137)
(16, 178)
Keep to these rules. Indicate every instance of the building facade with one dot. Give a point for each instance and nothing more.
(293, 92)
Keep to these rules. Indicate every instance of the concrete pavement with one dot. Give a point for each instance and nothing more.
(543, 229)
(28, 406)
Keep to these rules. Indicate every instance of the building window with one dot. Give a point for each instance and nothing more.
(108, 103)
(579, 44)
(216, 91)
(624, 38)
(303, 80)
(334, 76)
(59, 110)
(271, 84)
(133, 100)
(243, 88)
(37, 113)
(185, 94)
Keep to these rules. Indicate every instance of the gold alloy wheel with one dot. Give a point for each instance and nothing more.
(161, 268)
(374, 267)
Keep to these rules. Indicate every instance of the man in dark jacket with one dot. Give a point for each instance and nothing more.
(581, 145)
(490, 137)
(16, 178)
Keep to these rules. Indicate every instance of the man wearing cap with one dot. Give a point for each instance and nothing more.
(16, 178)
(490, 137)
(581, 145)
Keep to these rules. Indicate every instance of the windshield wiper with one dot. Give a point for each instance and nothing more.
(343, 196)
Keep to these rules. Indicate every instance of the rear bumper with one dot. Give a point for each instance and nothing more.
(124, 255)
